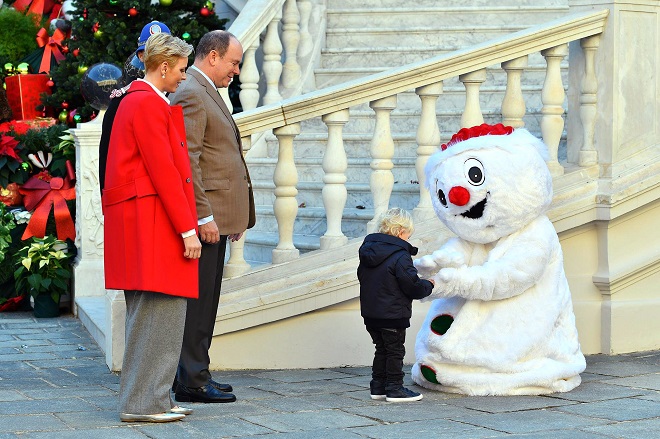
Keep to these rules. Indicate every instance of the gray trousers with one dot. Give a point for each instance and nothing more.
(154, 333)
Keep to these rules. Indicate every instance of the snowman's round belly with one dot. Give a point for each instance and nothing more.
(485, 334)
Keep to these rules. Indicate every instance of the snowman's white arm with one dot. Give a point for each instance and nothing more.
(517, 270)
(452, 253)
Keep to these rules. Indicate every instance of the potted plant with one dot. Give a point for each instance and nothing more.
(43, 270)
(7, 224)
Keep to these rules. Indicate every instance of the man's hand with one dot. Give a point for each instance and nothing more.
(209, 232)
(235, 237)
(193, 248)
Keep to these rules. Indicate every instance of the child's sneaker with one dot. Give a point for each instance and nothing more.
(377, 390)
(402, 395)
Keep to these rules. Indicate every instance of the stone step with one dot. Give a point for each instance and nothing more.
(310, 170)
(430, 16)
(495, 76)
(259, 245)
(358, 196)
(417, 36)
(388, 57)
(345, 4)
(407, 121)
(310, 144)
(452, 99)
(312, 141)
(311, 221)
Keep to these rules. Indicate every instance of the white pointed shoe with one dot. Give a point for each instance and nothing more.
(159, 417)
(181, 410)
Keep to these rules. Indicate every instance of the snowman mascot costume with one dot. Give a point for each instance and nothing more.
(502, 321)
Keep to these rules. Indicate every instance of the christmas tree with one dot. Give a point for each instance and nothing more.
(107, 31)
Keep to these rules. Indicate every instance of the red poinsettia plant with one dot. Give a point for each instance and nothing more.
(10, 159)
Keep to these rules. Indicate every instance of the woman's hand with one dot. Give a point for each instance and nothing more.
(193, 247)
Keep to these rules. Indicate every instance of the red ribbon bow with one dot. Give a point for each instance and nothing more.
(52, 46)
(36, 7)
(42, 193)
(39, 7)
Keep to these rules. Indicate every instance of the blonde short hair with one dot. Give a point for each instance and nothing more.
(162, 47)
(395, 221)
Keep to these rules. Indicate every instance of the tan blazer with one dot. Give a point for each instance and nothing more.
(220, 176)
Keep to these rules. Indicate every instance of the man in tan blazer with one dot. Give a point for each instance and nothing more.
(225, 204)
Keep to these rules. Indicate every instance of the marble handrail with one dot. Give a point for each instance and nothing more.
(391, 82)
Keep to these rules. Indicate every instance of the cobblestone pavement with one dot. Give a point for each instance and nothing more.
(54, 384)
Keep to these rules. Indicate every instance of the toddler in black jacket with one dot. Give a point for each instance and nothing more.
(388, 284)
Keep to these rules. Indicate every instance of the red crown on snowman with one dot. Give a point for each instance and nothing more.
(477, 131)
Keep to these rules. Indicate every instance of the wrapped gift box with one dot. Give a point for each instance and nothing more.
(24, 95)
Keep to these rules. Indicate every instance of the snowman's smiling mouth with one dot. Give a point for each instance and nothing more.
(477, 210)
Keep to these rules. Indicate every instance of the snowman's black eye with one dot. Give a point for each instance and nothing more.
(441, 196)
(474, 171)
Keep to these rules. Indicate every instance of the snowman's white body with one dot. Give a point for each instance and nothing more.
(502, 321)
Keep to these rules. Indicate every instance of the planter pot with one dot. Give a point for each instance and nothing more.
(45, 306)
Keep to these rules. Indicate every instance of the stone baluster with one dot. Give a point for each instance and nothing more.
(272, 65)
(306, 42)
(236, 264)
(428, 141)
(552, 123)
(249, 77)
(334, 189)
(513, 104)
(472, 114)
(588, 101)
(382, 151)
(286, 206)
(291, 39)
(88, 269)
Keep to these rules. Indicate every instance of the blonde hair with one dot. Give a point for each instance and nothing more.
(395, 221)
(162, 47)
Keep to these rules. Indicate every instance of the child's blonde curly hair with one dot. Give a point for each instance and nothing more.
(395, 221)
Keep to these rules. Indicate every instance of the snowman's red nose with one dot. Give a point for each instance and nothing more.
(459, 196)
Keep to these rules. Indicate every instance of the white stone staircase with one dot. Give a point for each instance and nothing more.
(371, 36)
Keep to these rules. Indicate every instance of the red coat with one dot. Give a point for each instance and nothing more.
(148, 198)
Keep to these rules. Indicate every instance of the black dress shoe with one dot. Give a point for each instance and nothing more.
(227, 388)
(206, 394)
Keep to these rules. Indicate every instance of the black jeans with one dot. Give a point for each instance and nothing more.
(387, 368)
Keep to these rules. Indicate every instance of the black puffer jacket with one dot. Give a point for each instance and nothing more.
(388, 281)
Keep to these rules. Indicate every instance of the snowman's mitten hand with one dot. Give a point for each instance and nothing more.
(426, 266)
(448, 258)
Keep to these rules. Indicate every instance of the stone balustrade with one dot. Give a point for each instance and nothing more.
(380, 91)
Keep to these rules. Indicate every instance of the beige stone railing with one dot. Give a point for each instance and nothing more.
(285, 27)
(426, 78)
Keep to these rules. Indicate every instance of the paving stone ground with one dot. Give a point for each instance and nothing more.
(54, 384)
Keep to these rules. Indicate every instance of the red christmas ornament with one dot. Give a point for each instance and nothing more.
(76, 52)
(133, 12)
(65, 49)
(95, 27)
(50, 83)
(65, 104)
(204, 12)
(85, 13)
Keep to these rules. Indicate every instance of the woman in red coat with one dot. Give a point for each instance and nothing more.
(151, 244)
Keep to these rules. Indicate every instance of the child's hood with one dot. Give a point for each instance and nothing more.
(377, 247)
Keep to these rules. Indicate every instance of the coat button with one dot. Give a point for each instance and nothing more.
(181, 143)
(188, 180)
